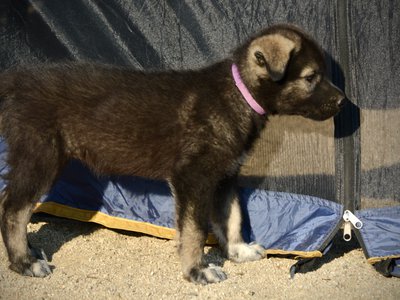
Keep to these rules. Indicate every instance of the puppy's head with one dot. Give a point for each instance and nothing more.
(286, 70)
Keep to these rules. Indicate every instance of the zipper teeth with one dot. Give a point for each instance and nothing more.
(348, 142)
(348, 165)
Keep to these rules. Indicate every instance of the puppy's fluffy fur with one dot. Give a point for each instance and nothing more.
(190, 128)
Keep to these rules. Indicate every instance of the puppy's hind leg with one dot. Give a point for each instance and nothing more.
(31, 174)
(227, 224)
(14, 232)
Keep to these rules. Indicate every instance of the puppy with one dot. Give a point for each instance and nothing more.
(191, 128)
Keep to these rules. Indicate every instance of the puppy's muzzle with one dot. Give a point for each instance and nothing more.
(340, 97)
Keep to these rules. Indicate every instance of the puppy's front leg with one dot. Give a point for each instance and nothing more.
(192, 209)
(227, 224)
(192, 239)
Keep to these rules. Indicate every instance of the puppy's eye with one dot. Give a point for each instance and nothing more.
(310, 78)
(260, 58)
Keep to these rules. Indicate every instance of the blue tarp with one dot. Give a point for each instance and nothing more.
(381, 231)
(289, 222)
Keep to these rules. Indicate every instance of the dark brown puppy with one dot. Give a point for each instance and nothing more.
(191, 128)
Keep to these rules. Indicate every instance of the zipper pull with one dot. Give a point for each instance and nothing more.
(350, 220)
(348, 216)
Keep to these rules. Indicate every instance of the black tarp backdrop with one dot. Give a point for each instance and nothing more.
(360, 167)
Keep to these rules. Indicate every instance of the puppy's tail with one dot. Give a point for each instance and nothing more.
(6, 80)
(4, 86)
(4, 91)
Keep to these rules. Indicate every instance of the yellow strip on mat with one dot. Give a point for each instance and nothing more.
(374, 260)
(298, 254)
(84, 215)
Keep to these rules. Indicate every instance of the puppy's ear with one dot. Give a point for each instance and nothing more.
(272, 53)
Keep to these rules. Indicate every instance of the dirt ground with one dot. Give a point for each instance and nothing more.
(92, 262)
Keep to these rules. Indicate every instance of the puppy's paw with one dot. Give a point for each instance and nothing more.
(242, 252)
(39, 268)
(210, 274)
(35, 265)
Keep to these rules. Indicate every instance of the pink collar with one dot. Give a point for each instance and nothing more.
(245, 92)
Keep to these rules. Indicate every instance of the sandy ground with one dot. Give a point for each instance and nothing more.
(92, 262)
